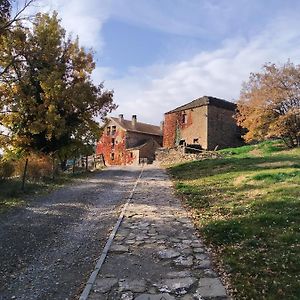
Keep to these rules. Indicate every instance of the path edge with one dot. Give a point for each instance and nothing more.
(85, 294)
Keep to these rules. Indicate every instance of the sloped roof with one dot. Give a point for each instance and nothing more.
(139, 127)
(205, 100)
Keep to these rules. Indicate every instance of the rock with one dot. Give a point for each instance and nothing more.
(179, 274)
(184, 261)
(130, 242)
(177, 285)
(201, 256)
(119, 248)
(104, 285)
(168, 253)
(209, 273)
(136, 286)
(204, 264)
(127, 296)
(210, 287)
(164, 296)
(199, 250)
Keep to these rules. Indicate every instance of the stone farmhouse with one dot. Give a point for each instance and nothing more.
(205, 123)
(128, 142)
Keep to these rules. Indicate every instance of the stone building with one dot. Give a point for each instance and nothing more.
(126, 142)
(206, 123)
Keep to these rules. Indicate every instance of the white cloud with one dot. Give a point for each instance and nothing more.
(82, 18)
(149, 92)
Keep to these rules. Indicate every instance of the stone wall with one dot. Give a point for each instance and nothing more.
(223, 131)
(167, 156)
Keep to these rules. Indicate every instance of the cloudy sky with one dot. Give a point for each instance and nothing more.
(159, 54)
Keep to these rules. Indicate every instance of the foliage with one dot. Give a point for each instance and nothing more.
(6, 169)
(39, 166)
(48, 100)
(246, 206)
(269, 104)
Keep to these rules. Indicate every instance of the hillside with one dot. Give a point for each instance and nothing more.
(247, 207)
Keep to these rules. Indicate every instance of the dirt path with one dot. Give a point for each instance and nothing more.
(47, 250)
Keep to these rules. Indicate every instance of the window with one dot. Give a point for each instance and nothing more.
(112, 156)
(113, 142)
(108, 130)
(182, 143)
(196, 141)
(131, 155)
(113, 130)
(184, 119)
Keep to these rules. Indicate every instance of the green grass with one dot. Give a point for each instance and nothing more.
(11, 195)
(247, 207)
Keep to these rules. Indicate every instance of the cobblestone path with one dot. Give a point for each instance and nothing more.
(156, 253)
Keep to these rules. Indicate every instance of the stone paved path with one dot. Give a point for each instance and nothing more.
(156, 254)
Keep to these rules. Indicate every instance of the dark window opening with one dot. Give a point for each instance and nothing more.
(184, 119)
(182, 143)
(108, 130)
(131, 155)
(112, 156)
(113, 142)
(113, 130)
(196, 141)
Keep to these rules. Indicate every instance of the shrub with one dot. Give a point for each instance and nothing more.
(6, 169)
(39, 166)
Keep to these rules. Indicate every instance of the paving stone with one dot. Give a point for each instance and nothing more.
(177, 285)
(163, 296)
(199, 250)
(210, 287)
(127, 296)
(104, 285)
(184, 261)
(119, 248)
(178, 274)
(174, 240)
(187, 242)
(136, 286)
(168, 253)
(204, 264)
(201, 256)
(209, 273)
(187, 251)
(129, 242)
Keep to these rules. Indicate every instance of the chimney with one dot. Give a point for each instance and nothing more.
(121, 117)
(162, 125)
(134, 120)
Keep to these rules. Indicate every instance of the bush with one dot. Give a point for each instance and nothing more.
(6, 169)
(39, 166)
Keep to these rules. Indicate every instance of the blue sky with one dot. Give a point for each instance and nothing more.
(159, 54)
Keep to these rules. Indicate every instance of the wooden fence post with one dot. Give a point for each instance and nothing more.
(24, 175)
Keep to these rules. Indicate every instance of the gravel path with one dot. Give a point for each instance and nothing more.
(48, 250)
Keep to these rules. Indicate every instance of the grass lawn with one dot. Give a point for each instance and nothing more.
(11, 195)
(247, 207)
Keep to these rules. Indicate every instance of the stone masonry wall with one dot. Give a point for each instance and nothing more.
(222, 128)
(167, 156)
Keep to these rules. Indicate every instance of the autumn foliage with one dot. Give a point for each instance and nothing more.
(269, 104)
(48, 100)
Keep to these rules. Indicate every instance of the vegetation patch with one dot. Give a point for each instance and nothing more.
(247, 208)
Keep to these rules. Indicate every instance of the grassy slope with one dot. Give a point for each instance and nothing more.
(247, 206)
(11, 195)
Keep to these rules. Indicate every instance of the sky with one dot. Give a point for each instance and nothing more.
(159, 54)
